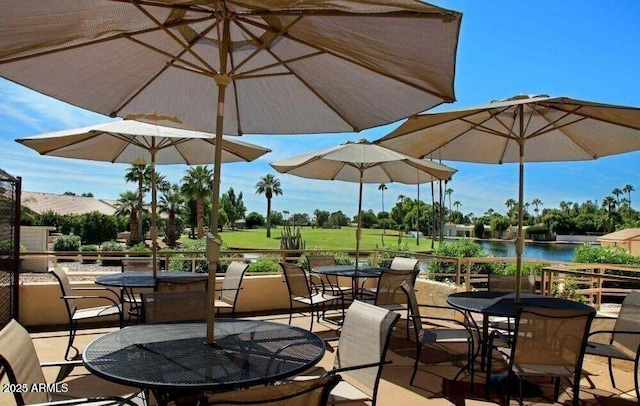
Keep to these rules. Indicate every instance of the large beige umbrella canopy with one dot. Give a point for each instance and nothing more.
(130, 141)
(363, 162)
(235, 66)
(521, 129)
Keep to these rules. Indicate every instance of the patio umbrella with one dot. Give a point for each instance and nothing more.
(521, 129)
(363, 162)
(292, 67)
(130, 141)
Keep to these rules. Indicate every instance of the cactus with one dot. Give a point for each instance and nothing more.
(291, 238)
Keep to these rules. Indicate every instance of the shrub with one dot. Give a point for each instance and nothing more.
(110, 246)
(95, 227)
(342, 258)
(478, 229)
(67, 243)
(140, 247)
(463, 248)
(510, 269)
(179, 262)
(391, 251)
(6, 247)
(87, 249)
(264, 265)
(593, 254)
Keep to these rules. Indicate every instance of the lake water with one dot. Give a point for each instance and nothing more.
(556, 252)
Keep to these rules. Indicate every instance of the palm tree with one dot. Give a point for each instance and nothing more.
(127, 205)
(140, 174)
(268, 185)
(449, 192)
(537, 202)
(401, 198)
(617, 192)
(171, 202)
(628, 189)
(457, 205)
(382, 187)
(196, 185)
(510, 203)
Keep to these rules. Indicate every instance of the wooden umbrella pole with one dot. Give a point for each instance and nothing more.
(520, 238)
(213, 240)
(359, 230)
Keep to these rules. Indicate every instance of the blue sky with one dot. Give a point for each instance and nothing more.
(586, 50)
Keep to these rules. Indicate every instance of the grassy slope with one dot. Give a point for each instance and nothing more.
(343, 238)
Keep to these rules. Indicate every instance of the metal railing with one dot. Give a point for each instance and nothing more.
(594, 281)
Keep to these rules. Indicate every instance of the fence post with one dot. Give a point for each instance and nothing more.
(467, 279)
(600, 284)
(458, 270)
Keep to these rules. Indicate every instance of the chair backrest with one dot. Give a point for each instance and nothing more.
(551, 337)
(181, 283)
(232, 282)
(296, 279)
(19, 359)
(183, 305)
(507, 283)
(138, 264)
(404, 264)
(364, 340)
(65, 289)
(389, 290)
(311, 392)
(322, 260)
(628, 320)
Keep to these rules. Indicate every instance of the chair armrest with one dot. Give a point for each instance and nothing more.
(354, 367)
(96, 288)
(616, 332)
(75, 363)
(92, 297)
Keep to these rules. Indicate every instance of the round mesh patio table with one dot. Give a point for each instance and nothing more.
(143, 279)
(173, 357)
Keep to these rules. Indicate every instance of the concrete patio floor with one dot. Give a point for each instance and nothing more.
(433, 382)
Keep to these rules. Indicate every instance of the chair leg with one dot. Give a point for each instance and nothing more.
(311, 306)
(290, 310)
(613, 380)
(415, 364)
(637, 379)
(556, 389)
(72, 335)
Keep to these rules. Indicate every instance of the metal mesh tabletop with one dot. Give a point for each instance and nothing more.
(175, 356)
(144, 279)
(350, 271)
(501, 304)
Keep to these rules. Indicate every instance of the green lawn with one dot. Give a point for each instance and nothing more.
(315, 238)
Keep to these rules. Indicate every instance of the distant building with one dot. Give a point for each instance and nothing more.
(629, 239)
(64, 204)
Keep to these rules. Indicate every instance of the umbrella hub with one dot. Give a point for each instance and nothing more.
(222, 79)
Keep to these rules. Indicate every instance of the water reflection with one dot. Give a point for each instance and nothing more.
(556, 252)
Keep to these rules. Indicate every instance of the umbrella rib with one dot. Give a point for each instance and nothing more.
(174, 58)
(75, 142)
(262, 44)
(473, 126)
(186, 46)
(551, 127)
(360, 64)
(99, 41)
(161, 71)
(285, 65)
